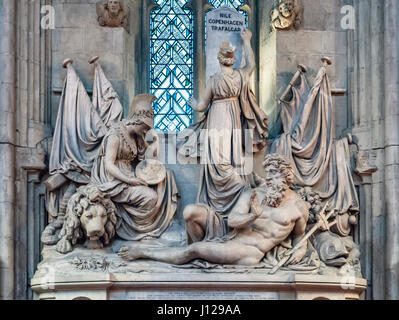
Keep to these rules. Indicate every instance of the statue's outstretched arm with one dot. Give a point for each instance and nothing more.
(203, 104)
(249, 55)
(297, 235)
(301, 222)
(299, 229)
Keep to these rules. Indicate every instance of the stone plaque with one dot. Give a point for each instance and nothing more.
(222, 25)
(192, 295)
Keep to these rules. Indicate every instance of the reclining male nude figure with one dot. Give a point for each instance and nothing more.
(256, 227)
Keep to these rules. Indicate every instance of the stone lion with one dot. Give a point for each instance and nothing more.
(90, 216)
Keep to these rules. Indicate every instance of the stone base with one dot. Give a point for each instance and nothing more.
(105, 277)
(203, 286)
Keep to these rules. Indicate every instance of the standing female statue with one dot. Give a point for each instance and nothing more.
(232, 114)
(143, 210)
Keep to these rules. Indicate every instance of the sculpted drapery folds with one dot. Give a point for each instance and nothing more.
(85, 152)
(319, 161)
(78, 131)
(105, 99)
(127, 193)
(261, 219)
(231, 114)
(140, 206)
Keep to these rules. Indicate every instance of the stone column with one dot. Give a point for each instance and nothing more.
(199, 8)
(391, 145)
(375, 122)
(7, 146)
(144, 65)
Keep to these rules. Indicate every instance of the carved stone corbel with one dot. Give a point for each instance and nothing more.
(287, 15)
(33, 161)
(113, 13)
(365, 163)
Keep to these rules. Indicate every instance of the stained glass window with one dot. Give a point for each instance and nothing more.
(171, 64)
(236, 4)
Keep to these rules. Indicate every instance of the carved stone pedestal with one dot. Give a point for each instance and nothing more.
(104, 276)
(200, 286)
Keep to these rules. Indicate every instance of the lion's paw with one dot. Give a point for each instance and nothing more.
(64, 246)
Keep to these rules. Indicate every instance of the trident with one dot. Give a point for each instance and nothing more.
(322, 223)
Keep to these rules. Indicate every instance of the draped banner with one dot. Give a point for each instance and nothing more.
(105, 99)
(318, 161)
(78, 132)
(79, 147)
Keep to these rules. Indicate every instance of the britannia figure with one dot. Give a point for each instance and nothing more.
(231, 113)
(143, 210)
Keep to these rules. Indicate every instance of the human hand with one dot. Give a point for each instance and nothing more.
(153, 149)
(298, 255)
(246, 35)
(193, 103)
(256, 207)
(138, 182)
(258, 180)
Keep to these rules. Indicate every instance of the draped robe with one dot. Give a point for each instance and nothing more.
(143, 211)
(232, 121)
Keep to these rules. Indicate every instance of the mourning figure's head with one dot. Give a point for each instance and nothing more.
(287, 15)
(113, 13)
(91, 216)
(279, 178)
(287, 8)
(141, 116)
(113, 7)
(226, 55)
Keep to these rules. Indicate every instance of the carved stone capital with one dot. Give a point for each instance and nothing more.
(33, 161)
(365, 163)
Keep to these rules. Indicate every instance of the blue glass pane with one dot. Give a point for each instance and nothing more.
(236, 4)
(171, 64)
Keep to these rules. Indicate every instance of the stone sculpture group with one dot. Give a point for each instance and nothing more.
(106, 181)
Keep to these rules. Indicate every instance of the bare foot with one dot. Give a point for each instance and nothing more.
(130, 253)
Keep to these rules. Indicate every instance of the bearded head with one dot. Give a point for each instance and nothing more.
(286, 8)
(279, 177)
(114, 7)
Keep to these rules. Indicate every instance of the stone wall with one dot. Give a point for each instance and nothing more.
(78, 36)
(23, 129)
(7, 148)
(320, 34)
(374, 86)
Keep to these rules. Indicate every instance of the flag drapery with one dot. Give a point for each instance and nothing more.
(78, 132)
(105, 99)
(319, 161)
